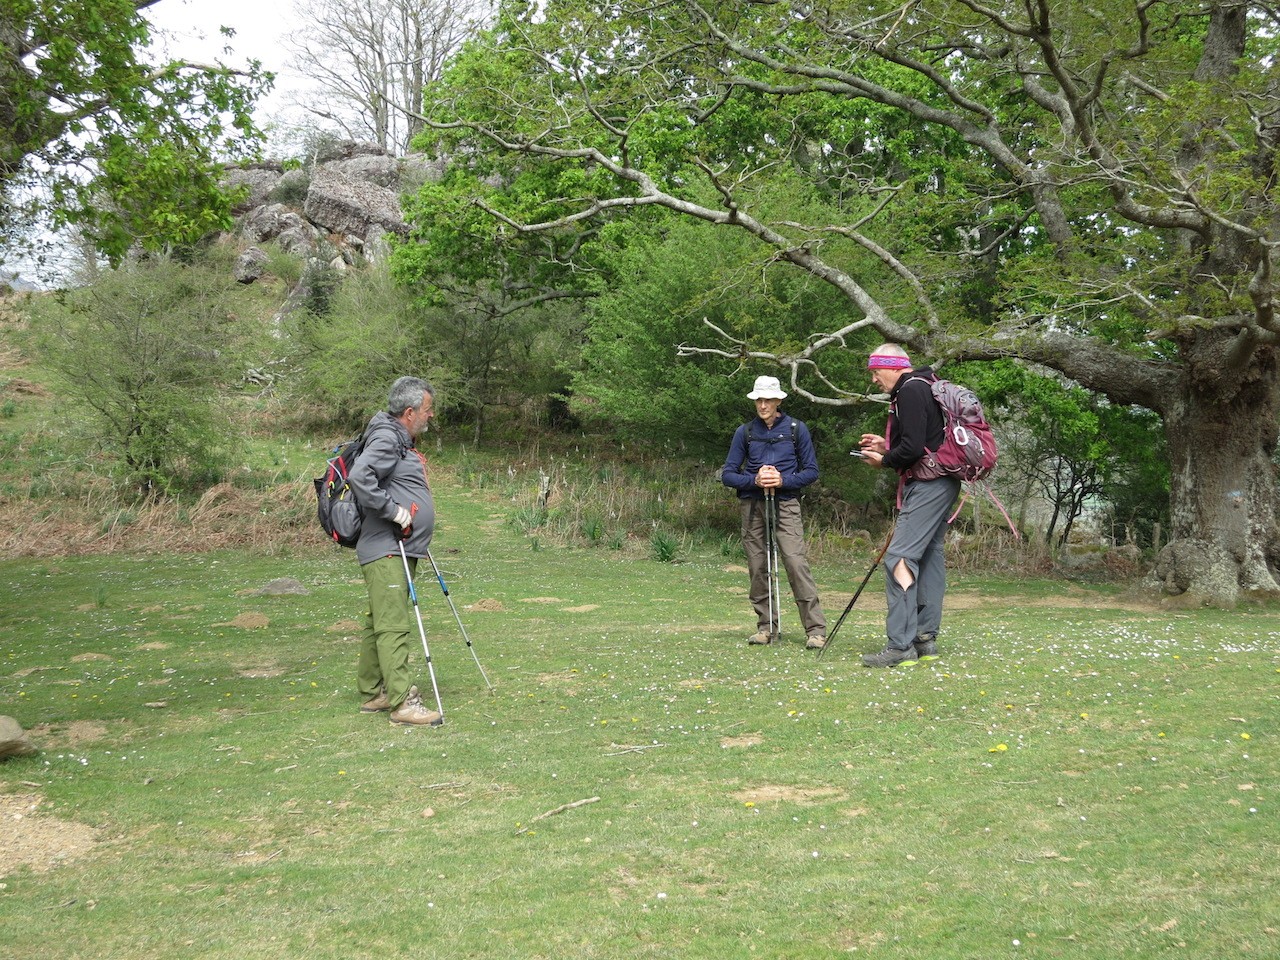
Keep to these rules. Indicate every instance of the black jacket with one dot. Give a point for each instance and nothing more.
(915, 420)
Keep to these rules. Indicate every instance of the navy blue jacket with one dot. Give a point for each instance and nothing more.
(754, 445)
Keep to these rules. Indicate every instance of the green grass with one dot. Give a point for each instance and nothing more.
(1072, 779)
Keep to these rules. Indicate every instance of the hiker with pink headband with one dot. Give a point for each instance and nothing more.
(915, 571)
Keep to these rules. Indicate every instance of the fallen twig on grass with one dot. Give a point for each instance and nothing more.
(647, 746)
(560, 809)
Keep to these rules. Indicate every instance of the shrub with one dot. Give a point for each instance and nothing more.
(146, 350)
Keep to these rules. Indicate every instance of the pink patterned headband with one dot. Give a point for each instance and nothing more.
(882, 361)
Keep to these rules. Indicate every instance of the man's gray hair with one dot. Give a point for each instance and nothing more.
(407, 392)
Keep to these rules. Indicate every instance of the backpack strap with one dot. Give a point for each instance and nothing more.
(795, 439)
(750, 436)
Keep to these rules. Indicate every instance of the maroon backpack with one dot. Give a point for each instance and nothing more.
(968, 448)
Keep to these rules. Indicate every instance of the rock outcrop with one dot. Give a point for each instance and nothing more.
(333, 213)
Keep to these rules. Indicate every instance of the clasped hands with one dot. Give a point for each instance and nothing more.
(768, 477)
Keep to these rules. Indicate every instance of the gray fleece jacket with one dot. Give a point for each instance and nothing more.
(390, 473)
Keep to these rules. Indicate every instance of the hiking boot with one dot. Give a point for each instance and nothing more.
(889, 657)
(411, 711)
(760, 638)
(927, 646)
(378, 704)
(816, 641)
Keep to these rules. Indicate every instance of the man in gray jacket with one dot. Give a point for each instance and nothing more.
(389, 480)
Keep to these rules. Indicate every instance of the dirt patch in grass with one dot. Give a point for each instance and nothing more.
(1070, 596)
(262, 672)
(77, 733)
(585, 608)
(567, 682)
(18, 387)
(87, 657)
(247, 621)
(744, 740)
(344, 626)
(28, 671)
(775, 793)
(29, 838)
(154, 645)
(486, 606)
(541, 600)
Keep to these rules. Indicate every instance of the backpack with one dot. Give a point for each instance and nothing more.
(968, 448)
(339, 513)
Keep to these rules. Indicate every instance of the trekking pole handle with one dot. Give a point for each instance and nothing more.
(403, 535)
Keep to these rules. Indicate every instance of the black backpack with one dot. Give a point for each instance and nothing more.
(336, 506)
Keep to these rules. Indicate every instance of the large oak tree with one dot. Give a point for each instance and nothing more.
(1088, 187)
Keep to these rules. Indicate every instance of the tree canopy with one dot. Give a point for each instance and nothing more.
(1084, 187)
(92, 131)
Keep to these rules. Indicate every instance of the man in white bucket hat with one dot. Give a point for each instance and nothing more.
(773, 454)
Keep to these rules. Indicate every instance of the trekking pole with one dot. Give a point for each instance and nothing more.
(771, 564)
(445, 590)
(422, 631)
(777, 570)
(832, 635)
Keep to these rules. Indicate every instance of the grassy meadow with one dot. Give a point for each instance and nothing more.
(1082, 775)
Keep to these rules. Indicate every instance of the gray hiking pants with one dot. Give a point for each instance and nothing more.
(794, 556)
(917, 540)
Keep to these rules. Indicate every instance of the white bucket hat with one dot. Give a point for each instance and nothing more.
(767, 388)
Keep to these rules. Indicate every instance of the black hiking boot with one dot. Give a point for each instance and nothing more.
(927, 646)
(889, 657)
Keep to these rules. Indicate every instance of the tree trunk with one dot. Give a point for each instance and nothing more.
(1221, 430)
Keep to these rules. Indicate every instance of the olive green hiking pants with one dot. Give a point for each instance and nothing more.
(384, 644)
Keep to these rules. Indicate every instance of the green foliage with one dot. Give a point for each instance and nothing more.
(667, 276)
(78, 93)
(291, 190)
(347, 359)
(1082, 450)
(665, 545)
(145, 352)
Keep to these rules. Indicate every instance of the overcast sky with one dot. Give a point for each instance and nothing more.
(190, 29)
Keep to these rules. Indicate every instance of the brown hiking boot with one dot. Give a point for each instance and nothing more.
(815, 642)
(760, 638)
(411, 711)
(378, 704)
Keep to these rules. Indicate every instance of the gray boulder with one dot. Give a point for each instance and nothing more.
(340, 206)
(13, 740)
(268, 222)
(299, 240)
(250, 265)
(259, 181)
(383, 170)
